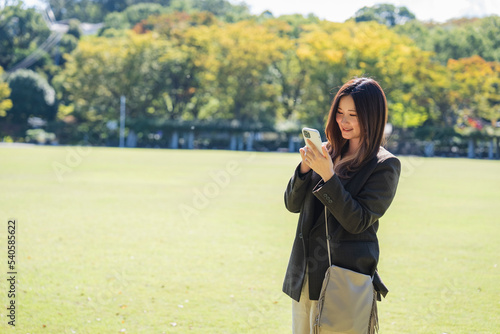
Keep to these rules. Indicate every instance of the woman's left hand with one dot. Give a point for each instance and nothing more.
(320, 162)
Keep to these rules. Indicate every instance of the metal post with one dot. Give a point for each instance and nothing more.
(491, 146)
(471, 149)
(250, 139)
(122, 121)
(175, 140)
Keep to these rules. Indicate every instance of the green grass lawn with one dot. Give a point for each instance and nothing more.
(161, 241)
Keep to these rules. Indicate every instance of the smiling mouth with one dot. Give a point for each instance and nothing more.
(346, 130)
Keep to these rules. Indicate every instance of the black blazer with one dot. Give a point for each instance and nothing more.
(354, 208)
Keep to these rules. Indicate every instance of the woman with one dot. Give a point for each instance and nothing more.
(356, 179)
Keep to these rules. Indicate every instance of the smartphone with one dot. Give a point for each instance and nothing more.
(314, 136)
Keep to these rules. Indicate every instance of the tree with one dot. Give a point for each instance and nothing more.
(157, 80)
(456, 39)
(236, 77)
(131, 16)
(32, 96)
(22, 31)
(386, 14)
(194, 66)
(95, 11)
(173, 26)
(332, 53)
(290, 72)
(85, 10)
(476, 89)
(223, 9)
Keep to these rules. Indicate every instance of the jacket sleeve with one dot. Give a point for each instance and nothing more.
(296, 190)
(358, 213)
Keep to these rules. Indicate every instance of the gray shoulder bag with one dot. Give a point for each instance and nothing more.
(347, 302)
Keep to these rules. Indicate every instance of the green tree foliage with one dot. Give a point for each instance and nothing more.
(212, 62)
(85, 10)
(457, 38)
(22, 31)
(101, 70)
(74, 28)
(65, 46)
(97, 10)
(131, 16)
(157, 79)
(222, 9)
(386, 14)
(32, 96)
(211, 72)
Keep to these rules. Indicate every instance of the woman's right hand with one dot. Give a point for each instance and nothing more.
(304, 168)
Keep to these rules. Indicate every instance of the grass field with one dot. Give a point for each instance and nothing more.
(160, 241)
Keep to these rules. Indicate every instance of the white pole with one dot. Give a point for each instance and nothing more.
(122, 121)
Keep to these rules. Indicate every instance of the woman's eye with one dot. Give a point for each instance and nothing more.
(353, 115)
(338, 112)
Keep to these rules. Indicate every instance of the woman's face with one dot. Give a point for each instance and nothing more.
(347, 119)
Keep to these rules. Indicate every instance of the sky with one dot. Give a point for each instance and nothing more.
(341, 10)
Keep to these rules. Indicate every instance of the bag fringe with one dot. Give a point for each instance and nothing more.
(373, 323)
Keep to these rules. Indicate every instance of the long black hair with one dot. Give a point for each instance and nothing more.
(371, 108)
